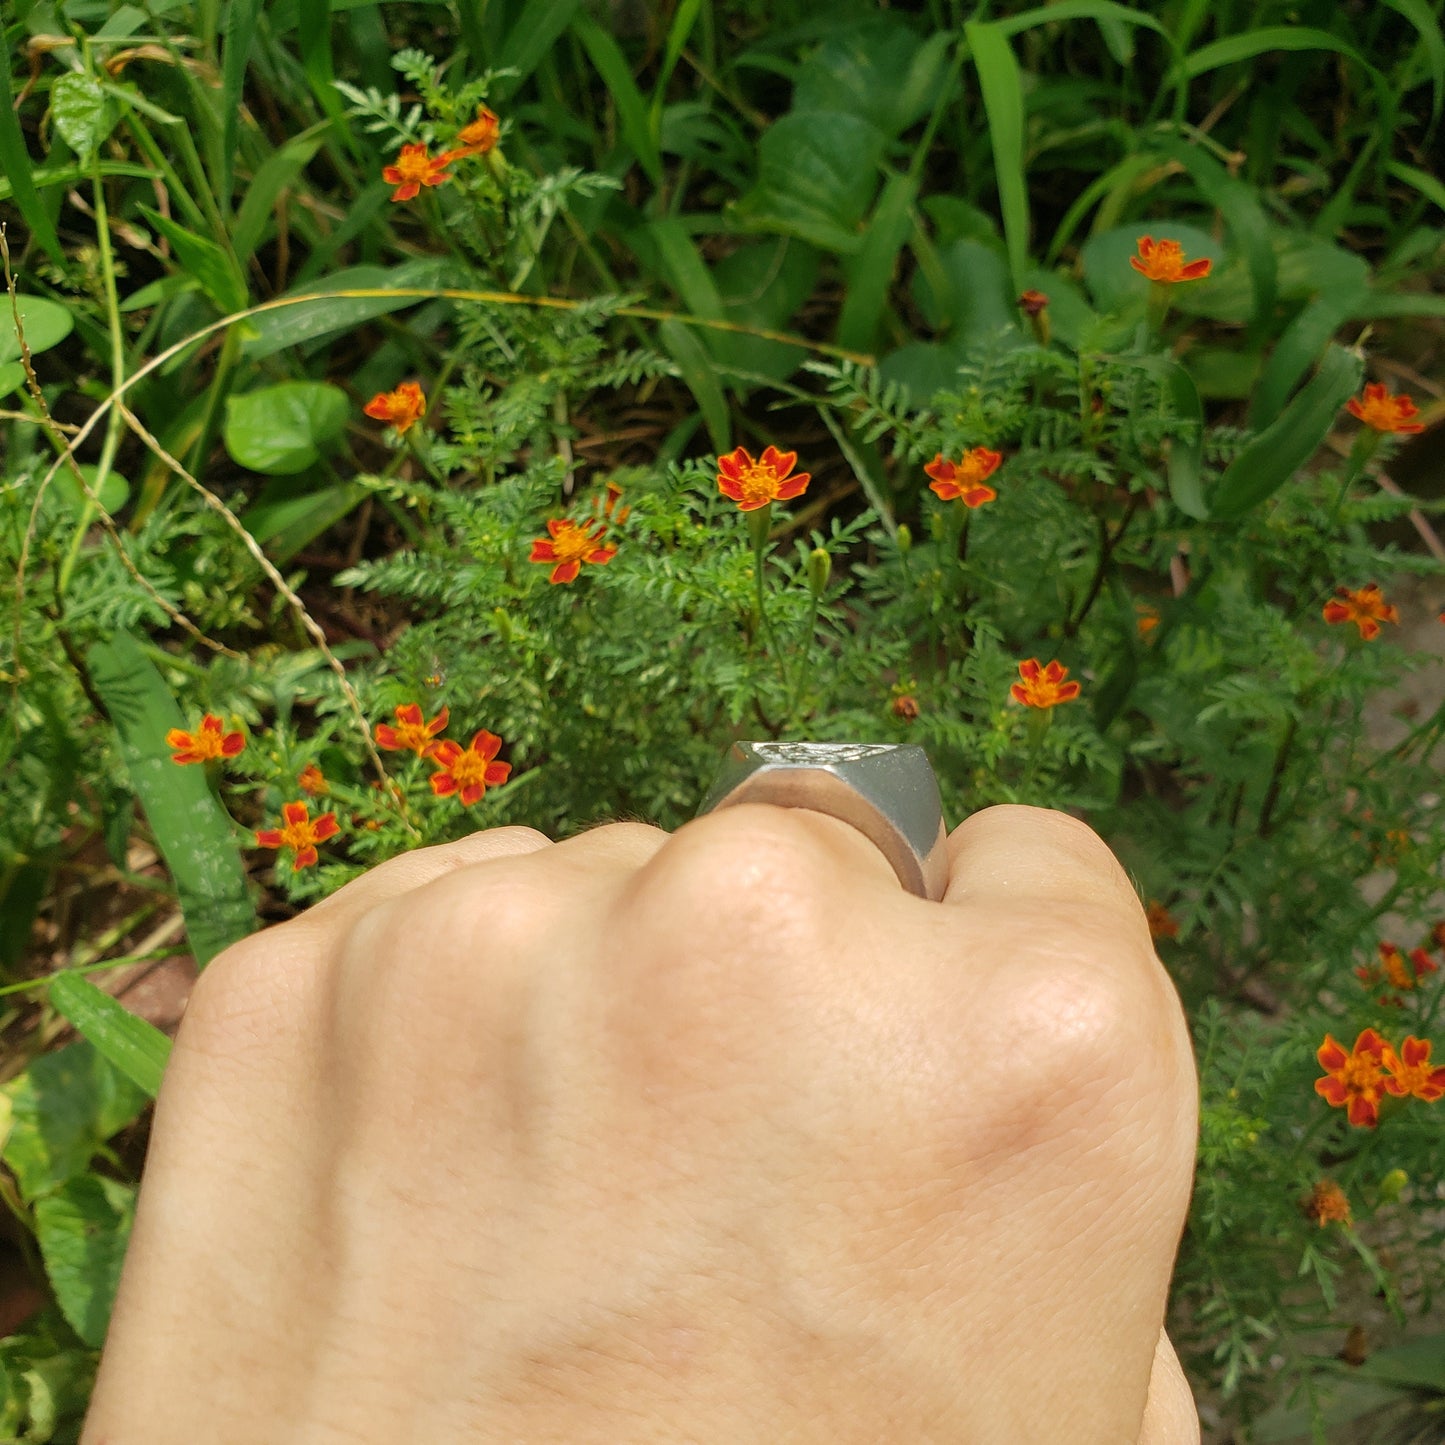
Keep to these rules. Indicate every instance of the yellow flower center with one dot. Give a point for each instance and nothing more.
(759, 483)
(297, 835)
(1167, 259)
(414, 165)
(413, 736)
(572, 543)
(470, 768)
(206, 743)
(1360, 1074)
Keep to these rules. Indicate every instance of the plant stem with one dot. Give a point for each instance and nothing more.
(1107, 545)
(1364, 448)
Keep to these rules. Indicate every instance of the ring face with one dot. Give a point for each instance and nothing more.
(887, 791)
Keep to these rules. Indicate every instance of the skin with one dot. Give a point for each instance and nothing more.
(716, 1135)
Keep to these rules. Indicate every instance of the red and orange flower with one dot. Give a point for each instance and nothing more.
(479, 137)
(1164, 261)
(753, 484)
(403, 408)
(208, 742)
(1327, 1204)
(301, 832)
(415, 167)
(1043, 686)
(313, 782)
(1366, 608)
(412, 731)
(468, 772)
(1411, 1072)
(1356, 1079)
(965, 477)
(1386, 413)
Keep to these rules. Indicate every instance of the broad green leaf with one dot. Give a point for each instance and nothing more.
(869, 272)
(114, 491)
(284, 524)
(281, 429)
(700, 374)
(65, 1106)
(271, 178)
(817, 174)
(17, 171)
(762, 284)
(81, 114)
(83, 1229)
(45, 324)
(1303, 341)
(632, 110)
(1273, 457)
(1003, 99)
(46, 1380)
(213, 269)
(195, 836)
(138, 1049)
(878, 69)
(685, 268)
(291, 321)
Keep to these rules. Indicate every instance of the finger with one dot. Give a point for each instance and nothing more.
(1170, 1416)
(408, 871)
(1028, 859)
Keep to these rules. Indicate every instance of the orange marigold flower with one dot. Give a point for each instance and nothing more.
(1043, 686)
(569, 544)
(1032, 302)
(1147, 617)
(300, 832)
(403, 408)
(1394, 967)
(1327, 1204)
(207, 742)
(1384, 412)
(1356, 1079)
(754, 484)
(964, 478)
(1164, 261)
(412, 731)
(479, 137)
(905, 706)
(468, 772)
(1422, 962)
(312, 781)
(1162, 923)
(1410, 1071)
(414, 169)
(1366, 608)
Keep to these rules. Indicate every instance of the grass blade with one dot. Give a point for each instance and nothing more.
(1273, 457)
(1432, 42)
(18, 170)
(1003, 99)
(632, 112)
(138, 1049)
(195, 836)
(700, 373)
(532, 34)
(869, 272)
(241, 16)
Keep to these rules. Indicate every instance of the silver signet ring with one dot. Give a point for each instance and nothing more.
(887, 791)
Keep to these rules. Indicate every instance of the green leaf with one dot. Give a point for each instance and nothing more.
(272, 177)
(78, 106)
(1432, 42)
(869, 273)
(1273, 457)
(190, 827)
(281, 429)
(65, 1106)
(138, 1049)
(241, 17)
(1304, 339)
(114, 491)
(215, 272)
(1186, 454)
(1422, 181)
(534, 31)
(632, 110)
(83, 1229)
(699, 372)
(45, 323)
(18, 172)
(284, 523)
(817, 173)
(1003, 99)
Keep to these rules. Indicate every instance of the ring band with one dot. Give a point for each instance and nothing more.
(887, 791)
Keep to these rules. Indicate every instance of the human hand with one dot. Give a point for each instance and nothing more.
(717, 1136)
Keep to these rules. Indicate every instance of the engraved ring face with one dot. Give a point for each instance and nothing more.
(888, 792)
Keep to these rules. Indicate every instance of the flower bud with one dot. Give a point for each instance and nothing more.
(503, 623)
(1393, 1185)
(820, 566)
(905, 541)
(1035, 305)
